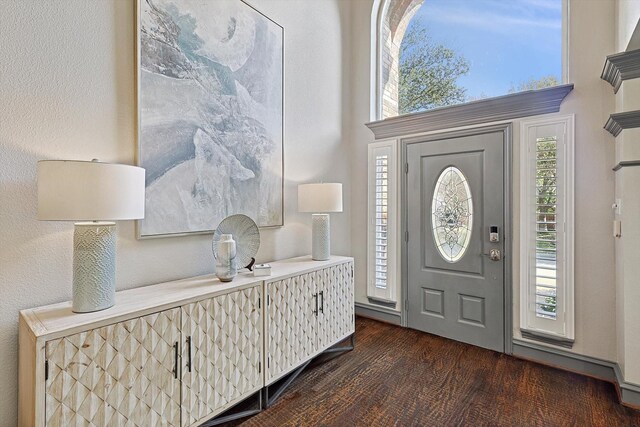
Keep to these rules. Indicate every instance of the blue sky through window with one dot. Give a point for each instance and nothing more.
(506, 42)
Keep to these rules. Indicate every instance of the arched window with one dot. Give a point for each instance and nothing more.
(435, 53)
(391, 19)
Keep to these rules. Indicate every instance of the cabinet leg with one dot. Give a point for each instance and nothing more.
(351, 346)
(229, 415)
(268, 400)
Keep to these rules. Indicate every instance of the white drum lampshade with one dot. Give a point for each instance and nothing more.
(71, 190)
(318, 199)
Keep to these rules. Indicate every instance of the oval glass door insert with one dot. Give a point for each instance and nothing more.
(452, 214)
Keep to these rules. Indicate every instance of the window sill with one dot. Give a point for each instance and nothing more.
(546, 338)
(513, 106)
(382, 302)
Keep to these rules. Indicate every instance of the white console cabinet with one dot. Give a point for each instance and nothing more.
(182, 352)
(306, 314)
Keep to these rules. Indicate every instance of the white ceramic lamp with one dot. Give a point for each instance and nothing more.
(70, 190)
(318, 199)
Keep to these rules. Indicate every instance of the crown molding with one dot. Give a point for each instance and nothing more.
(625, 164)
(512, 106)
(621, 66)
(619, 121)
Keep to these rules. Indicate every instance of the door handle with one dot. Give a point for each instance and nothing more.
(494, 255)
(322, 302)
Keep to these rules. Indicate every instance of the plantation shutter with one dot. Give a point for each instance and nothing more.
(382, 221)
(547, 224)
(545, 271)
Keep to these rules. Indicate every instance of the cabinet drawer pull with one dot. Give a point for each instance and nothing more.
(175, 361)
(315, 297)
(189, 353)
(322, 302)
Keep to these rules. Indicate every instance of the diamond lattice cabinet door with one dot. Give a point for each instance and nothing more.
(342, 304)
(336, 321)
(225, 335)
(116, 375)
(327, 307)
(291, 323)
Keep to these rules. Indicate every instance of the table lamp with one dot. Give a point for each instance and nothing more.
(91, 192)
(316, 198)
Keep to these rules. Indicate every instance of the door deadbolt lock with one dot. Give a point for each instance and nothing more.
(495, 255)
(494, 234)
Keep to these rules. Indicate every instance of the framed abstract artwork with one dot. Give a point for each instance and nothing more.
(210, 115)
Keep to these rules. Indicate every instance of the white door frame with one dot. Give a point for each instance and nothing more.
(507, 131)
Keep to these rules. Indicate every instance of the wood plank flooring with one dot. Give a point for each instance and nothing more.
(402, 377)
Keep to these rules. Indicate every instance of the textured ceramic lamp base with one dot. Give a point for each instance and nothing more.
(94, 266)
(321, 241)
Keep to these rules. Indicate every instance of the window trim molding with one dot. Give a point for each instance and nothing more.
(527, 329)
(501, 108)
(390, 294)
(375, 104)
(566, 40)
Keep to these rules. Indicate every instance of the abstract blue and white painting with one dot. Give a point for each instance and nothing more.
(210, 101)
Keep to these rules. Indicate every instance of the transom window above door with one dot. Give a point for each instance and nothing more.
(437, 53)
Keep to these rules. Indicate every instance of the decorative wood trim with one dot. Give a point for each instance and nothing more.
(621, 66)
(619, 121)
(512, 106)
(626, 163)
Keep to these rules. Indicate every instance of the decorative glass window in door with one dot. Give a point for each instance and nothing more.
(452, 214)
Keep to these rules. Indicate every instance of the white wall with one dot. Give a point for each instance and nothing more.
(627, 185)
(591, 39)
(67, 92)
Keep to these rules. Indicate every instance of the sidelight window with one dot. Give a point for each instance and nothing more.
(546, 286)
(382, 227)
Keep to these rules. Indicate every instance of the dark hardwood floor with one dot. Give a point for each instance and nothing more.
(402, 377)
